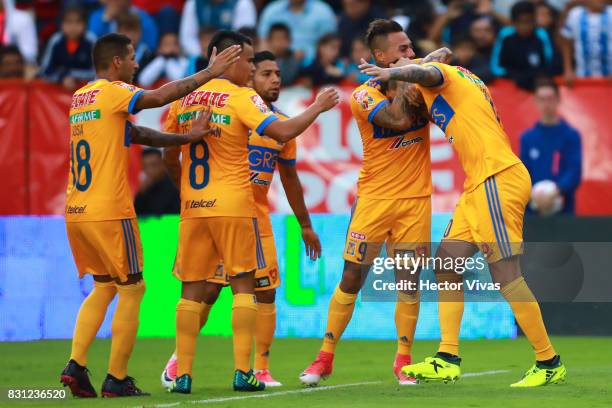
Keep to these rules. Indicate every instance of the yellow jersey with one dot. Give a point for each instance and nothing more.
(264, 153)
(215, 171)
(98, 188)
(396, 164)
(463, 108)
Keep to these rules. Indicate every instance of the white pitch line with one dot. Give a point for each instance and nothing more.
(304, 391)
(481, 373)
(269, 394)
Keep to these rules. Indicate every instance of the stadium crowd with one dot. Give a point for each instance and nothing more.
(317, 42)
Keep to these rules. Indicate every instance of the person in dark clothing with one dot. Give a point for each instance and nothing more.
(354, 20)
(522, 52)
(157, 195)
(279, 42)
(67, 59)
(465, 54)
(327, 67)
(552, 152)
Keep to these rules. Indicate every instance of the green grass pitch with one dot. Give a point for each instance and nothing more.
(362, 375)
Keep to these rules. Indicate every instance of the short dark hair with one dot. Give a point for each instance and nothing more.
(74, 9)
(280, 27)
(263, 56)
(521, 8)
(545, 82)
(225, 38)
(151, 151)
(129, 21)
(107, 47)
(327, 38)
(379, 28)
(9, 50)
(462, 39)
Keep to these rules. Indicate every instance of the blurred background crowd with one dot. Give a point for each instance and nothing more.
(317, 42)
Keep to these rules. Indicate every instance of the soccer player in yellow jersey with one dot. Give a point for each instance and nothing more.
(393, 204)
(100, 218)
(488, 216)
(264, 155)
(218, 209)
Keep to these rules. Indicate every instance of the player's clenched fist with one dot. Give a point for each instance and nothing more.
(327, 99)
(219, 63)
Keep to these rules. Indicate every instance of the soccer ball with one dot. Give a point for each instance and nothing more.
(545, 198)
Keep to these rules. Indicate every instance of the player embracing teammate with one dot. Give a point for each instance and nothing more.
(488, 216)
(393, 204)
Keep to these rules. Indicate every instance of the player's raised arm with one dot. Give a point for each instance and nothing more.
(285, 130)
(179, 88)
(428, 75)
(150, 137)
(295, 197)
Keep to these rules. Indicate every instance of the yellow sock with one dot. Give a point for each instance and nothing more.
(124, 327)
(203, 318)
(188, 315)
(339, 315)
(244, 315)
(527, 314)
(264, 333)
(90, 317)
(406, 315)
(450, 312)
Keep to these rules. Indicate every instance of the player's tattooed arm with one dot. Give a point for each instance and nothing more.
(428, 76)
(200, 128)
(177, 89)
(295, 197)
(397, 115)
(443, 55)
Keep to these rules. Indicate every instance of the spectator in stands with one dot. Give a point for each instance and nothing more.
(279, 43)
(483, 34)
(200, 62)
(309, 20)
(157, 195)
(359, 50)
(459, 16)
(17, 28)
(219, 14)
(587, 35)
(465, 55)
(522, 51)
(129, 25)
(354, 20)
(547, 17)
(12, 64)
(552, 152)
(251, 32)
(167, 13)
(168, 63)
(327, 68)
(67, 58)
(104, 21)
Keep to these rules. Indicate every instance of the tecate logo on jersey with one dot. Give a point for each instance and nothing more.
(206, 98)
(84, 98)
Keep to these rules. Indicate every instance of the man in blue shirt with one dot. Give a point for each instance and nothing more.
(552, 151)
(104, 20)
(308, 20)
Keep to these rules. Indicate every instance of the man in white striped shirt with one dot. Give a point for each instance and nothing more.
(587, 41)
